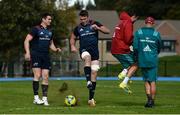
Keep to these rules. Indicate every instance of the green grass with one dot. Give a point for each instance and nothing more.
(17, 97)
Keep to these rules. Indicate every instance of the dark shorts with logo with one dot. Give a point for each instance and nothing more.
(94, 52)
(40, 61)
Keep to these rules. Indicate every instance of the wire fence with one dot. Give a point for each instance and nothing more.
(72, 68)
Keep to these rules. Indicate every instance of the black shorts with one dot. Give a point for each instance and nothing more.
(40, 61)
(94, 52)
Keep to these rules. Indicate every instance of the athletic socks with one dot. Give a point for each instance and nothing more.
(124, 71)
(126, 79)
(149, 97)
(35, 87)
(92, 91)
(87, 72)
(44, 90)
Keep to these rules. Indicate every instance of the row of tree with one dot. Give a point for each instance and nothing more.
(17, 19)
(18, 16)
(160, 9)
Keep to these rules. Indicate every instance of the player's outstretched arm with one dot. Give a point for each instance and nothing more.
(104, 30)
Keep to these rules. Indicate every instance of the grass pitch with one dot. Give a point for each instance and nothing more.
(16, 98)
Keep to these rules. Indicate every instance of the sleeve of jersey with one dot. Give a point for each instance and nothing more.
(159, 43)
(135, 44)
(33, 31)
(98, 24)
(76, 33)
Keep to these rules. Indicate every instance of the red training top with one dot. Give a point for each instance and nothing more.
(123, 35)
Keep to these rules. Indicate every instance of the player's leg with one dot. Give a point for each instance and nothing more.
(147, 85)
(120, 58)
(45, 85)
(131, 70)
(87, 67)
(127, 61)
(153, 78)
(37, 75)
(35, 62)
(94, 67)
(153, 92)
(46, 66)
(149, 76)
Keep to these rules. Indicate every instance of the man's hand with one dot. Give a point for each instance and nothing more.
(27, 56)
(58, 50)
(73, 49)
(95, 27)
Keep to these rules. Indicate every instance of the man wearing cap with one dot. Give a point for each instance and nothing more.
(146, 45)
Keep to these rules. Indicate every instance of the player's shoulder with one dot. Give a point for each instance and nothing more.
(36, 28)
(139, 31)
(76, 27)
(95, 22)
(91, 21)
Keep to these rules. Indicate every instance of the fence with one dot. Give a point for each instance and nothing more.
(75, 68)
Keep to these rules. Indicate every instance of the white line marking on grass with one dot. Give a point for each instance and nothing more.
(107, 86)
(45, 108)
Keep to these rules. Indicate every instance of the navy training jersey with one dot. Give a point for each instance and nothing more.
(41, 40)
(88, 37)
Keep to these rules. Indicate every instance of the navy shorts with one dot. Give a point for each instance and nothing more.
(40, 61)
(94, 52)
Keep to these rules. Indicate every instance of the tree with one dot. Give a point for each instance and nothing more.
(78, 5)
(159, 9)
(17, 18)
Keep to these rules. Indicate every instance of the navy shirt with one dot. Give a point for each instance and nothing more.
(41, 40)
(88, 37)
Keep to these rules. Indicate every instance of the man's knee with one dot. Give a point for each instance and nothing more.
(85, 55)
(95, 67)
(37, 76)
(45, 79)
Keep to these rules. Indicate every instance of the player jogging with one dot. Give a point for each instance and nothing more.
(147, 44)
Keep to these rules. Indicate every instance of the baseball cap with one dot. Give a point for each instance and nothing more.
(149, 20)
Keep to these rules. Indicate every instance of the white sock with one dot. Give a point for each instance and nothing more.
(36, 97)
(124, 71)
(126, 79)
(44, 98)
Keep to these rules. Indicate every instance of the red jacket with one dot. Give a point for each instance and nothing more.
(123, 35)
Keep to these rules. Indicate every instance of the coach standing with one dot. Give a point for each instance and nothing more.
(147, 44)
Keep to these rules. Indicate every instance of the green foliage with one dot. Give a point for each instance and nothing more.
(78, 5)
(160, 9)
(18, 17)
